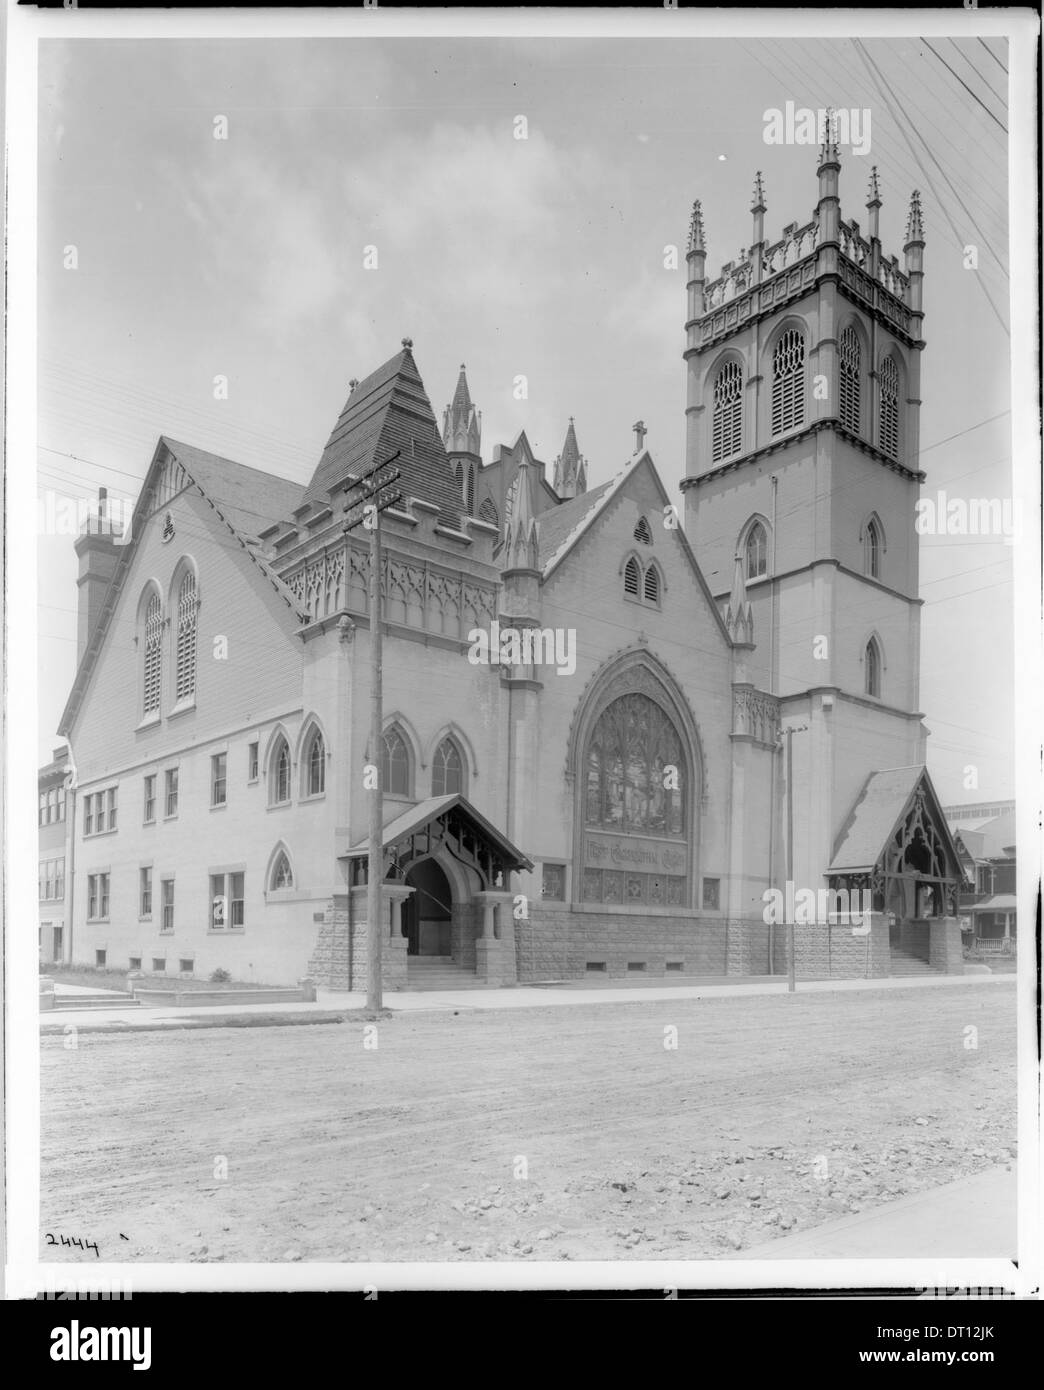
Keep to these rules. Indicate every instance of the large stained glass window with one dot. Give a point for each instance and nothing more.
(636, 784)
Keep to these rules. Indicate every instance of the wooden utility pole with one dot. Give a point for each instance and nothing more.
(374, 499)
(788, 734)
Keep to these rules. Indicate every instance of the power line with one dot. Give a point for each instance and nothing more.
(963, 84)
(872, 67)
(993, 55)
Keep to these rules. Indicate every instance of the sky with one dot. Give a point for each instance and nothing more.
(541, 257)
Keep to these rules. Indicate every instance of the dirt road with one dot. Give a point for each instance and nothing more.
(541, 1134)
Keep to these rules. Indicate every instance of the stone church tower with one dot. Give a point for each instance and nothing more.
(802, 460)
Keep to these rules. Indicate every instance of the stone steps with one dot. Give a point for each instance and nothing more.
(905, 963)
(439, 973)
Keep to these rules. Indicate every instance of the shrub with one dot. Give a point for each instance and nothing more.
(219, 976)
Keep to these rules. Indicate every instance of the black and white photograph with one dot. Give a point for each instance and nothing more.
(528, 648)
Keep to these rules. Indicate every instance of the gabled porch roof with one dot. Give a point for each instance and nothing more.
(407, 823)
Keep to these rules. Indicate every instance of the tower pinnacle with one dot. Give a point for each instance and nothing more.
(570, 467)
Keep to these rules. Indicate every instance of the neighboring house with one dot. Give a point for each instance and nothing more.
(55, 825)
(984, 834)
(616, 804)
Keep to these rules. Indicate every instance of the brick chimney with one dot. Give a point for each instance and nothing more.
(97, 552)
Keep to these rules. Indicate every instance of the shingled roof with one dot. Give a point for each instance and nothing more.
(249, 499)
(390, 410)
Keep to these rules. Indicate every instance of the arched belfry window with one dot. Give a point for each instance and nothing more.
(447, 769)
(872, 662)
(395, 764)
(185, 650)
(643, 532)
(632, 578)
(470, 495)
(756, 551)
(849, 365)
(788, 382)
(727, 422)
(635, 786)
(488, 512)
(872, 547)
(153, 655)
(315, 764)
(651, 587)
(889, 433)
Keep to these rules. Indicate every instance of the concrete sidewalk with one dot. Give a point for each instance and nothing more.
(331, 1003)
(973, 1218)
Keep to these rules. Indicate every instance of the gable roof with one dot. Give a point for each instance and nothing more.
(250, 499)
(387, 411)
(879, 808)
(415, 818)
(244, 500)
(560, 529)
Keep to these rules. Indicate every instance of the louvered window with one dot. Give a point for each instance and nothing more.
(186, 650)
(153, 654)
(848, 385)
(728, 412)
(632, 578)
(642, 532)
(652, 585)
(890, 407)
(788, 382)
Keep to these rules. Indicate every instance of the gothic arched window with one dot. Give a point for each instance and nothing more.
(315, 762)
(872, 549)
(651, 587)
(279, 786)
(632, 578)
(642, 531)
(788, 382)
(630, 749)
(447, 771)
(873, 668)
(488, 512)
(848, 379)
(185, 651)
(395, 764)
(756, 551)
(889, 438)
(153, 655)
(282, 875)
(727, 427)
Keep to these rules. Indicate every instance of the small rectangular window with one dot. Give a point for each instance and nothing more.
(252, 763)
(554, 881)
(88, 815)
(99, 958)
(185, 966)
(711, 893)
(159, 964)
(59, 878)
(172, 791)
(167, 899)
(218, 779)
(99, 813)
(596, 966)
(103, 894)
(145, 905)
(636, 965)
(134, 963)
(150, 798)
(61, 804)
(675, 965)
(236, 896)
(111, 799)
(92, 895)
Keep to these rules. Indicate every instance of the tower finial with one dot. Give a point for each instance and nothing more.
(873, 193)
(914, 220)
(696, 228)
(739, 616)
(758, 204)
(828, 152)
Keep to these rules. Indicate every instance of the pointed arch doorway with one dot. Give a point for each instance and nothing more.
(427, 917)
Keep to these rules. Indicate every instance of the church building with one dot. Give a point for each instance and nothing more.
(614, 722)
